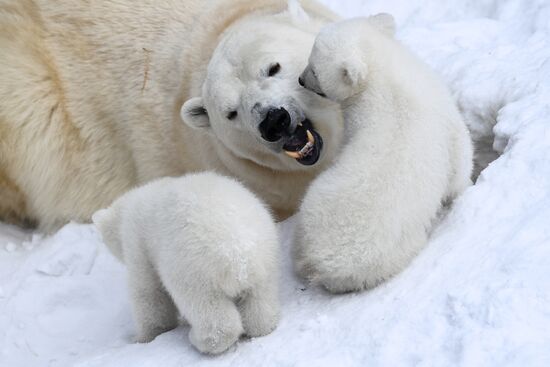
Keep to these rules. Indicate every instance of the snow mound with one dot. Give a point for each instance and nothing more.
(478, 295)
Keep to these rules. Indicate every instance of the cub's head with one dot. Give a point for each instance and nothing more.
(251, 102)
(338, 63)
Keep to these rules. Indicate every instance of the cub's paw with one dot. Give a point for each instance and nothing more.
(259, 320)
(338, 285)
(148, 335)
(215, 341)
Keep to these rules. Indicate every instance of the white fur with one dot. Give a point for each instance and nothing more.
(408, 150)
(202, 245)
(107, 80)
(297, 13)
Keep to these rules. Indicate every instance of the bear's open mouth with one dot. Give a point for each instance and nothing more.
(305, 144)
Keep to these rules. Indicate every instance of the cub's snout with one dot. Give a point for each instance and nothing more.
(309, 80)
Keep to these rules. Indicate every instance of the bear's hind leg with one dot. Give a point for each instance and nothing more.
(154, 310)
(260, 310)
(214, 318)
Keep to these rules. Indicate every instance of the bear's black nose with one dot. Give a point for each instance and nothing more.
(275, 124)
(301, 81)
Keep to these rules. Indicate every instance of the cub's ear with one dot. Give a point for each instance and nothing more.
(384, 22)
(102, 218)
(353, 72)
(194, 114)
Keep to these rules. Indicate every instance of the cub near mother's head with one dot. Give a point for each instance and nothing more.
(126, 92)
(343, 53)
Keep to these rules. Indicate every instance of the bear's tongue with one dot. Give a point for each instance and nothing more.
(305, 144)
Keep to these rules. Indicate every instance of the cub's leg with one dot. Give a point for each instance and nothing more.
(260, 309)
(154, 310)
(214, 318)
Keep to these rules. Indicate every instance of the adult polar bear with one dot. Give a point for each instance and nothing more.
(91, 92)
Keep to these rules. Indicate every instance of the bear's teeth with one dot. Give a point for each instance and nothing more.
(310, 138)
(305, 149)
(295, 155)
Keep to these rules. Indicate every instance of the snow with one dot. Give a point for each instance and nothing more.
(479, 295)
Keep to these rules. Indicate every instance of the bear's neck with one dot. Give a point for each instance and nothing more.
(281, 190)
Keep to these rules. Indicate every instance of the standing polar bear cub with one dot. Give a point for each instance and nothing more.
(407, 151)
(202, 245)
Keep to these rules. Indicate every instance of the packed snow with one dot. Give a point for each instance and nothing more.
(479, 295)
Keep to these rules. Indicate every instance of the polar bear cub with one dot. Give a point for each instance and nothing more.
(202, 246)
(407, 150)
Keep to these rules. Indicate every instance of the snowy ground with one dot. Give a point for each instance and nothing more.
(479, 295)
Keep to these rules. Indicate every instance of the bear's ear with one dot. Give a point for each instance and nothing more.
(194, 114)
(384, 22)
(297, 13)
(102, 218)
(353, 72)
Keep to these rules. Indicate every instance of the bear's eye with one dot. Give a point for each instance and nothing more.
(231, 115)
(274, 69)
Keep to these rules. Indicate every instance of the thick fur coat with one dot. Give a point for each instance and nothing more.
(91, 93)
(201, 246)
(407, 151)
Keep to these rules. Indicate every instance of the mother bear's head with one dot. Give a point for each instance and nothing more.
(252, 102)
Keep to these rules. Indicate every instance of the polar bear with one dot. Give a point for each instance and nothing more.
(91, 97)
(407, 151)
(202, 245)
